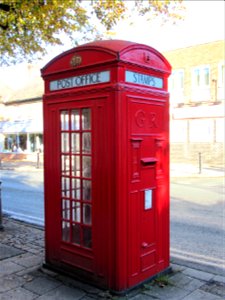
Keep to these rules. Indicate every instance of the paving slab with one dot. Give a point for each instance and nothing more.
(142, 297)
(41, 285)
(185, 282)
(63, 292)
(219, 278)
(201, 295)
(29, 260)
(8, 267)
(8, 251)
(18, 294)
(27, 271)
(87, 298)
(215, 288)
(169, 292)
(198, 274)
(9, 282)
(79, 285)
(176, 267)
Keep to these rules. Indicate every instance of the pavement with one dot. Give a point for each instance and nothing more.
(176, 169)
(191, 170)
(23, 277)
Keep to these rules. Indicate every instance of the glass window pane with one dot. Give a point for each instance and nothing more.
(87, 190)
(86, 166)
(66, 209)
(196, 77)
(75, 188)
(76, 211)
(86, 143)
(76, 234)
(181, 80)
(75, 165)
(65, 187)
(66, 231)
(87, 237)
(206, 76)
(65, 165)
(65, 120)
(75, 119)
(65, 146)
(87, 215)
(75, 143)
(86, 118)
(222, 74)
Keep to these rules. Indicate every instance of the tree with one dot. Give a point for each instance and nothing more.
(27, 27)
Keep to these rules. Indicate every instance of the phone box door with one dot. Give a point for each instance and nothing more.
(74, 186)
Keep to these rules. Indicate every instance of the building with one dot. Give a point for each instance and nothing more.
(21, 122)
(197, 97)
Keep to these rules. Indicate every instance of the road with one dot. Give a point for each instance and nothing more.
(198, 220)
(22, 194)
(197, 212)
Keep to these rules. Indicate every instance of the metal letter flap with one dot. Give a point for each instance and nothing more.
(148, 160)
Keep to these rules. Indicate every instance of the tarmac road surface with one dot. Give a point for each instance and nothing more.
(198, 220)
(22, 195)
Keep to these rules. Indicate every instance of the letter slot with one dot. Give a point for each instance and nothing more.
(146, 161)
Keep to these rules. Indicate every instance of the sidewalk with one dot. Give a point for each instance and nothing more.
(23, 278)
(21, 165)
(189, 170)
(176, 169)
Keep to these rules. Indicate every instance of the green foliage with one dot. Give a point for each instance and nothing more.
(162, 280)
(27, 27)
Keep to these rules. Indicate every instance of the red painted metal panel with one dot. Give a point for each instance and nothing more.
(148, 126)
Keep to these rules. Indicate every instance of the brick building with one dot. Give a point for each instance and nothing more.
(197, 97)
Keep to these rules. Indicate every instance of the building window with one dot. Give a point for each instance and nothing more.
(220, 130)
(201, 84)
(221, 82)
(23, 142)
(178, 131)
(176, 87)
(201, 130)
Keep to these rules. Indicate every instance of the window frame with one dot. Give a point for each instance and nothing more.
(200, 88)
(176, 86)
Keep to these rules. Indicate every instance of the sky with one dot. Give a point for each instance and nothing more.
(203, 22)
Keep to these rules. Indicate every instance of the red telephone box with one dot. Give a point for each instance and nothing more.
(106, 148)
